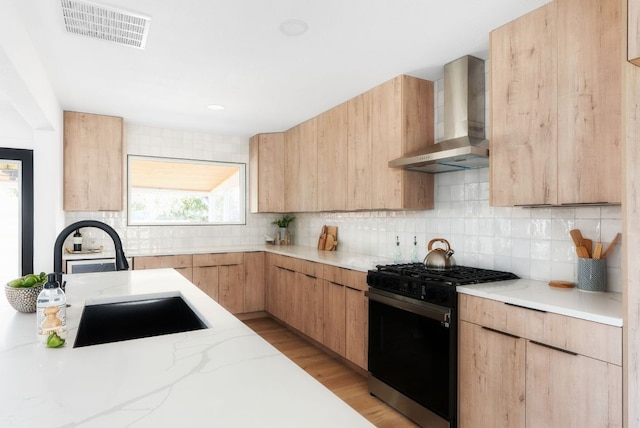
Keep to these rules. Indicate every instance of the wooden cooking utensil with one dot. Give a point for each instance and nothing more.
(576, 235)
(323, 238)
(582, 252)
(588, 244)
(561, 284)
(610, 246)
(597, 252)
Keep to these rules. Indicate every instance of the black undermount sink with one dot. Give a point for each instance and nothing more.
(115, 322)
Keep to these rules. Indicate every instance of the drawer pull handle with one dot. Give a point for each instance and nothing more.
(310, 276)
(501, 332)
(524, 307)
(554, 348)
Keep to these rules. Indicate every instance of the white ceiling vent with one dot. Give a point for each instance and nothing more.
(106, 23)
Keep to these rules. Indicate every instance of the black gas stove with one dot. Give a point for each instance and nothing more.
(438, 287)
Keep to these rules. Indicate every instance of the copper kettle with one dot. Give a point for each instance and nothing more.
(439, 258)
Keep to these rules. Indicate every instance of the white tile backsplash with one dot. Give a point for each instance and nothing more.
(531, 242)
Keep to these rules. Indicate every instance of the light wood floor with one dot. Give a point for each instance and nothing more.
(346, 383)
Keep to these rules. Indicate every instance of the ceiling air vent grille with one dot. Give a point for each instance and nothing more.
(105, 23)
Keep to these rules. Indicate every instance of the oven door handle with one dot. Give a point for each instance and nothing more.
(425, 309)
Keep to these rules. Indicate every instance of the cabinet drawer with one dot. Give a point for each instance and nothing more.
(310, 268)
(157, 262)
(492, 314)
(219, 259)
(592, 339)
(333, 274)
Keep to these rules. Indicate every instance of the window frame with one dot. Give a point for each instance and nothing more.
(242, 176)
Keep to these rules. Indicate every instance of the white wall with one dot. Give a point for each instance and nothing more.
(34, 121)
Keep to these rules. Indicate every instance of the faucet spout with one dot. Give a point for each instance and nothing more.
(121, 259)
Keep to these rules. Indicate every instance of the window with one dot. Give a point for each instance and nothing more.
(164, 191)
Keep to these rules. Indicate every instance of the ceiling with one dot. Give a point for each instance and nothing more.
(202, 52)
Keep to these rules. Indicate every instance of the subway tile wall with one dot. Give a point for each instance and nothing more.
(531, 242)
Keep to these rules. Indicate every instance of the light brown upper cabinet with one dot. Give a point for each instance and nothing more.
(301, 168)
(332, 159)
(266, 172)
(633, 35)
(401, 123)
(556, 106)
(93, 159)
(359, 153)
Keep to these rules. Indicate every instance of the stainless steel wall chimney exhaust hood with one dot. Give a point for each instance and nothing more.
(464, 145)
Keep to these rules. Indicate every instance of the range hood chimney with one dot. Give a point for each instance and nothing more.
(464, 145)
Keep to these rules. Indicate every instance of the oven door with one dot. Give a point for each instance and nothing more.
(412, 349)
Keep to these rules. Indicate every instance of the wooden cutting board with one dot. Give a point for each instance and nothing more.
(328, 239)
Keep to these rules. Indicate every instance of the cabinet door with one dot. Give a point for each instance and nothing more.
(334, 317)
(491, 378)
(359, 153)
(386, 118)
(357, 311)
(301, 169)
(231, 288)
(633, 28)
(569, 390)
(266, 173)
(589, 101)
(401, 123)
(254, 282)
(206, 279)
(93, 158)
(332, 159)
(312, 306)
(523, 144)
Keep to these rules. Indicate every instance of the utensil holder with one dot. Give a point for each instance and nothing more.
(592, 274)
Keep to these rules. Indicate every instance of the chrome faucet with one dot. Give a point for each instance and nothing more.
(121, 260)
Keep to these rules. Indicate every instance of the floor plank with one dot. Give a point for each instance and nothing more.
(346, 383)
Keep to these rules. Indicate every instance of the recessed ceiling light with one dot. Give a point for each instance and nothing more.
(215, 107)
(293, 27)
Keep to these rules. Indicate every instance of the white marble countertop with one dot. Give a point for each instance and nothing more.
(223, 376)
(353, 261)
(602, 307)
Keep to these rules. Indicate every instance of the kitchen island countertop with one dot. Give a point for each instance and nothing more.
(224, 376)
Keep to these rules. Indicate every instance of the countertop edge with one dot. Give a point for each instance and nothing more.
(557, 309)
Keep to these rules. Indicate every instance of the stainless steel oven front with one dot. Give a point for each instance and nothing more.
(413, 357)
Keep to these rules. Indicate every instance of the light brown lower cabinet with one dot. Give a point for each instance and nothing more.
(326, 303)
(254, 280)
(221, 276)
(524, 368)
(357, 322)
(491, 378)
(181, 263)
(334, 313)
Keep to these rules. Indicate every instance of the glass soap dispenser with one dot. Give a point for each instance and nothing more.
(414, 251)
(397, 253)
(51, 310)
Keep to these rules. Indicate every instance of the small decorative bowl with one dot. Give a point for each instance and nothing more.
(23, 299)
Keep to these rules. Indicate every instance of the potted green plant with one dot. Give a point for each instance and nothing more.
(283, 224)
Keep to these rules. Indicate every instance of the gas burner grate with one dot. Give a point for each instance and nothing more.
(458, 275)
